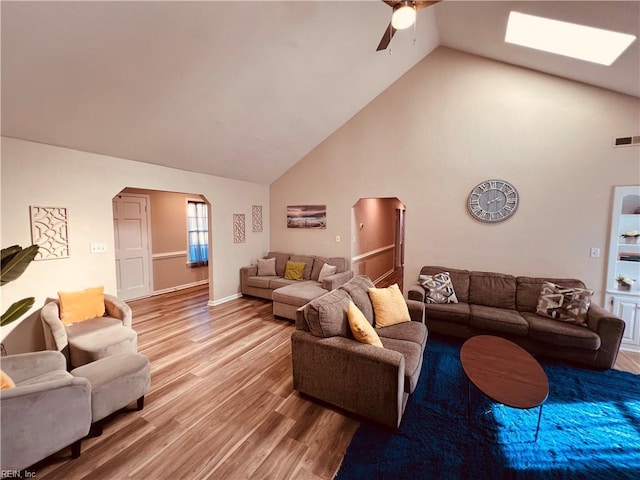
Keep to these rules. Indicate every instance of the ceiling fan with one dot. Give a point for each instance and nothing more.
(404, 15)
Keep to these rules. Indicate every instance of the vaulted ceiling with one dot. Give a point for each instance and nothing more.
(241, 89)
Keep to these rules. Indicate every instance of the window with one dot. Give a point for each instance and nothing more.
(198, 231)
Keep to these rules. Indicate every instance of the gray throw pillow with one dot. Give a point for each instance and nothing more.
(266, 267)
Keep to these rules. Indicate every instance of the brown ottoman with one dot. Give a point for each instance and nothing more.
(116, 382)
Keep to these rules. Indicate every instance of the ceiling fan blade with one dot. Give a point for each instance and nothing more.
(421, 5)
(386, 38)
(391, 3)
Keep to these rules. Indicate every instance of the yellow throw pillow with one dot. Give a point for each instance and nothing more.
(361, 328)
(6, 381)
(294, 270)
(389, 306)
(80, 306)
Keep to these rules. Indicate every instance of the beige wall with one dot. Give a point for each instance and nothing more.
(85, 183)
(449, 123)
(169, 243)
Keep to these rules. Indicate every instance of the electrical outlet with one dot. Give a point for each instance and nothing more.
(594, 252)
(337, 238)
(98, 248)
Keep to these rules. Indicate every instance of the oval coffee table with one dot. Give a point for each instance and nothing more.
(504, 372)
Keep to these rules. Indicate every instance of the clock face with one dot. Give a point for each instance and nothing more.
(493, 201)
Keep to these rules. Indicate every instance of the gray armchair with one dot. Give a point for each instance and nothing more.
(46, 411)
(93, 339)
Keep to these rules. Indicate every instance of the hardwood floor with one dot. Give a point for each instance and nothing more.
(221, 405)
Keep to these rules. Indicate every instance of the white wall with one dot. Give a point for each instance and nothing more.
(85, 183)
(451, 122)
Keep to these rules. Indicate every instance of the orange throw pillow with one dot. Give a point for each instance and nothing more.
(389, 306)
(80, 306)
(6, 381)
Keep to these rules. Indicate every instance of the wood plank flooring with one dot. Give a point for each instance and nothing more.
(221, 405)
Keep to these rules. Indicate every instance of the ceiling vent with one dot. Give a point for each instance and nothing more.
(627, 141)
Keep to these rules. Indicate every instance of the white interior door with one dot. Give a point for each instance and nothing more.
(132, 249)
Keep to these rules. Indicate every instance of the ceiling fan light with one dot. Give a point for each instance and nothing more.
(403, 17)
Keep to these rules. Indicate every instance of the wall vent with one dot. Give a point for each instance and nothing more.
(633, 140)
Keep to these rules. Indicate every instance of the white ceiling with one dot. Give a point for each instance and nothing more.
(245, 89)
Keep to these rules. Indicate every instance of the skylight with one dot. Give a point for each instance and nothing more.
(568, 39)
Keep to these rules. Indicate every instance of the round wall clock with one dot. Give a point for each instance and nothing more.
(493, 201)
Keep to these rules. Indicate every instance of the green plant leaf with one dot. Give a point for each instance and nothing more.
(10, 251)
(13, 265)
(16, 310)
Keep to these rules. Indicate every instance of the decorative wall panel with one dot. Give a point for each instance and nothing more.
(256, 218)
(238, 228)
(50, 231)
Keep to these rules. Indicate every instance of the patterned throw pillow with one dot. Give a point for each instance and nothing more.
(438, 288)
(568, 305)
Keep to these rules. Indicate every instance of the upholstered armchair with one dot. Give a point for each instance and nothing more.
(92, 339)
(47, 410)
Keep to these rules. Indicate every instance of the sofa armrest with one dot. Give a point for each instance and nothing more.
(245, 273)
(610, 328)
(26, 365)
(416, 311)
(118, 309)
(331, 282)
(360, 378)
(416, 292)
(55, 335)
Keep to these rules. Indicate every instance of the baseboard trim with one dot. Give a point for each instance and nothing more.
(220, 301)
(179, 287)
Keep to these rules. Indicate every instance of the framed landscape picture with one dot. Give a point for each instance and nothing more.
(307, 216)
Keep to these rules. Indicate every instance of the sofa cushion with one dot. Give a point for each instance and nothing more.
(498, 320)
(278, 282)
(260, 282)
(266, 267)
(308, 264)
(528, 290)
(561, 334)
(318, 262)
(358, 288)
(361, 329)
(298, 293)
(492, 290)
(459, 279)
(449, 312)
(294, 270)
(410, 331)
(412, 353)
(281, 261)
(438, 288)
(327, 315)
(564, 304)
(389, 306)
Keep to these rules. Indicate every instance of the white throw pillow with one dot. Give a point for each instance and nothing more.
(326, 270)
(267, 267)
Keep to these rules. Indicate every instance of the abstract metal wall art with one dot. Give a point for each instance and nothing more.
(50, 231)
(238, 228)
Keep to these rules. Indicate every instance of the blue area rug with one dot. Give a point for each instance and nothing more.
(590, 429)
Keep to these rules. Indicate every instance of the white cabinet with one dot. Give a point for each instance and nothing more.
(624, 261)
(627, 307)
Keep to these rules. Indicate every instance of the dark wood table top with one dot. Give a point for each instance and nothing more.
(504, 371)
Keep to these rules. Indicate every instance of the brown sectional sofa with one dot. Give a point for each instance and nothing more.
(289, 295)
(330, 365)
(505, 305)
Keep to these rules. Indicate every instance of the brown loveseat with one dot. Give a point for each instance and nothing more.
(289, 295)
(330, 365)
(505, 305)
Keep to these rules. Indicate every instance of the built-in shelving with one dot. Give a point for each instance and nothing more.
(624, 260)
